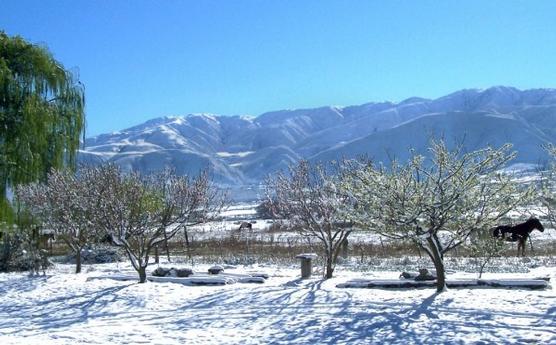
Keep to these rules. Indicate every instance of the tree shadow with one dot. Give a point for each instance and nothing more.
(25, 283)
(424, 308)
(298, 311)
(62, 311)
(302, 312)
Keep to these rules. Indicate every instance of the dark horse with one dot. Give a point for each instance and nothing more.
(518, 233)
(245, 225)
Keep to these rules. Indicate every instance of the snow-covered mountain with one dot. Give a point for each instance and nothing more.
(242, 150)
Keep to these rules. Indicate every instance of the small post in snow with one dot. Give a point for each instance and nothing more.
(306, 264)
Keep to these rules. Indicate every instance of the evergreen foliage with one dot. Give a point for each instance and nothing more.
(41, 116)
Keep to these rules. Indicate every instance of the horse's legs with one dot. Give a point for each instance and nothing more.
(531, 243)
(521, 244)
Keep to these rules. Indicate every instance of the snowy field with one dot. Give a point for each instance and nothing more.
(89, 308)
(237, 213)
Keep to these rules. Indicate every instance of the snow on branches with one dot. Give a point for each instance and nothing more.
(435, 204)
(307, 198)
(134, 212)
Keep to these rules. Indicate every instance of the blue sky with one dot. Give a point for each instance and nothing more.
(145, 59)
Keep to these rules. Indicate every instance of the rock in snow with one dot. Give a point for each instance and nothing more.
(216, 269)
(172, 272)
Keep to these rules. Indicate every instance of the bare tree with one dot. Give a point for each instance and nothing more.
(140, 213)
(548, 187)
(435, 204)
(308, 200)
(64, 204)
(185, 202)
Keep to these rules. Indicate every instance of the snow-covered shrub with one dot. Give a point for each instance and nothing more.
(10, 246)
(20, 246)
(240, 260)
(20, 252)
(483, 247)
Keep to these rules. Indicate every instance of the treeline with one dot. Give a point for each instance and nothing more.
(137, 213)
(451, 199)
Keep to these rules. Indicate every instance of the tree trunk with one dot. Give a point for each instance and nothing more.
(166, 246)
(6, 253)
(329, 266)
(78, 261)
(436, 257)
(142, 274)
(156, 257)
(483, 267)
(187, 242)
(382, 245)
(345, 248)
(247, 241)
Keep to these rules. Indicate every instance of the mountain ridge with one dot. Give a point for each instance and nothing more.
(242, 150)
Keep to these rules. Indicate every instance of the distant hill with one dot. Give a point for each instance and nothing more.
(243, 150)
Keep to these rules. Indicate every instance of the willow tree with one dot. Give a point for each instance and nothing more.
(41, 116)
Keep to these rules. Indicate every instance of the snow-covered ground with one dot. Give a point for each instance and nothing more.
(64, 308)
(242, 210)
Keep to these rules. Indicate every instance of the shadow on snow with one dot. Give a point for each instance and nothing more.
(298, 311)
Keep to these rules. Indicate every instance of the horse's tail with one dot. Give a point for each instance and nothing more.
(496, 232)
